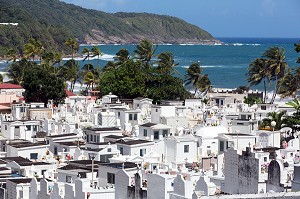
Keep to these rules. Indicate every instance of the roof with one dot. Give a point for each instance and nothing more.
(133, 142)
(74, 167)
(104, 129)
(148, 124)
(116, 136)
(27, 144)
(21, 180)
(69, 93)
(61, 135)
(16, 159)
(10, 86)
(127, 165)
(32, 163)
(74, 143)
(211, 131)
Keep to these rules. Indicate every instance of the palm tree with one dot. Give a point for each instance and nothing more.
(145, 51)
(70, 71)
(257, 72)
(295, 104)
(166, 63)
(96, 52)
(16, 70)
(33, 48)
(193, 76)
(86, 52)
(89, 79)
(122, 56)
(276, 66)
(279, 118)
(11, 55)
(73, 44)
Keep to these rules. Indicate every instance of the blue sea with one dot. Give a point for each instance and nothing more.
(226, 65)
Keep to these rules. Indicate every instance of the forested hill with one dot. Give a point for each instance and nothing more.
(53, 21)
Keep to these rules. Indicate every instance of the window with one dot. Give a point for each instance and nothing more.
(186, 148)
(91, 137)
(109, 150)
(265, 159)
(87, 138)
(222, 146)
(68, 179)
(33, 156)
(156, 110)
(35, 128)
(111, 178)
(130, 117)
(145, 132)
(55, 150)
(5, 127)
(17, 127)
(138, 105)
(240, 123)
(156, 135)
(98, 139)
(28, 127)
(263, 107)
(142, 152)
(135, 117)
(22, 109)
(119, 114)
(165, 133)
(121, 150)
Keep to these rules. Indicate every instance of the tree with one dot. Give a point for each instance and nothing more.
(277, 117)
(258, 72)
(194, 76)
(41, 86)
(144, 52)
(12, 55)
(32, 48)
(70, 71)
(16, 70)
(121, 56)
(276, 66)
(166, 63)
(73, 44)
(96, 52)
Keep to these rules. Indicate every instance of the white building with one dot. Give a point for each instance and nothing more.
(180, 149)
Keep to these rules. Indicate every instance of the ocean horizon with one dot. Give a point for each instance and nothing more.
(226, 65)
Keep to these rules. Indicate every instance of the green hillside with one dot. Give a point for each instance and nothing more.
(53, 21)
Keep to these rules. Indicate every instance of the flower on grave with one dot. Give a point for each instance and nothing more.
(88, 194)
(146, 165)
(285, 144)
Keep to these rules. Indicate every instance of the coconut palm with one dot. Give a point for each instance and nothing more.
(16, 70)
(33, 48)
(276, 66)
(89, 79)
(145, 51)
(257, 72)
(73, 44)
(279, 118)
(122, 56)
(289, 84)
(11, 55)
(295, 104)
(70, 71)
(96, 52)
(193, 75)
(166, 63)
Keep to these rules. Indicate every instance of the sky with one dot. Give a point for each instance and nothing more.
(221, 18)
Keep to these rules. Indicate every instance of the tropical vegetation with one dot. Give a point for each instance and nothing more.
(45, 76)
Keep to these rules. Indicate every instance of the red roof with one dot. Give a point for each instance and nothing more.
(69, 93)
(10, 86)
